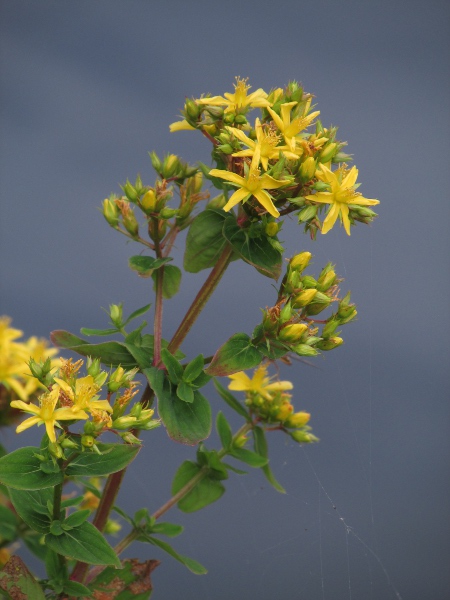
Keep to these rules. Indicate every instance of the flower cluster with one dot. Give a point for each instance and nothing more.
(277, 164)
(270, 403)
(15, 374)
(72, 398)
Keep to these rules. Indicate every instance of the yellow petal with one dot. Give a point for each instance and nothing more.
(240, 382)
(100, 405)
(25, 406)
(236, 198)
(180, 126)
(242, 137)
(269, 183)
(228, 176)
(278, 122)
(345, 219)
(28, 423)
(264, 199)
(350, 179)
(331, 217)
(324, 197)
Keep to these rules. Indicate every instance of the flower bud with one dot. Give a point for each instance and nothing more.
(192, 109)
(110, 212)
(350, 317)
(125, 422)
(68, 443)
(330, 328)
(330, 343)
(240, 441)
(87, 441)
(115, 314)
(298, 419)
(130, 223)
(271, 229)
(148, 200)
(228, 119)
(326, 281)
(305, 350)
(129, 438)
(299, 262)
(303, 437)
(308, 169)
(225, 148)
(216, 112)
(130, 192)
(55, 450)
(307, 213)
(293, 332)
(240, 120)
(168, 213)
(328, 152)
(156, 163)
(320, 303)
(304, 298)
(112, 527)
(286, 313)
(309, 282)
(284, 411)
(170, 166)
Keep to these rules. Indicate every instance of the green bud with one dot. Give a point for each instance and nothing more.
(304, 298)
(171, 166)
(326, 281)
(224, 137)
(228, 119)
(363, 211)
(87, 441)
(130, 223)
(112, 527)
(321, 186)
(110, 212)
(330, 328)
(124, 422)
(307, 213)
(168, 213)
(216, 112)
(303, 437)
(305, 350)
(156, 163)
(129, 438)
(299, 262)
(328, 152)
(350, 317)
(148, 200)
(240, 120)
(330, 344)
(93, 366)
(192, 109)
(115, 314)
(286, 312)
(55, 450)
(293, 332)
(307, 169)
(308, 282)
(225, 148)
(271, 229)
(130, 192)
(68, 443)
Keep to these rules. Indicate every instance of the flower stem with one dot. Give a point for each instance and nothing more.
(157, 328)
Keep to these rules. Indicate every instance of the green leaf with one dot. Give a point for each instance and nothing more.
(231, 400)
(89, 331)
(259, 437)
(16, 581)
(145, 265)
(110, 353)
(237, 354)
(250, 458)
(77, 518)
(205, 492)
(257, 251)
(84, 543)
(8, 524)
(169, 529)
(224, 430)
(185, 392)
(205, 241)
(185, 423)
(21, 470)
(190, 563)
(75, 589)
(122, 584)
(113, 458)
(171, 281)
(194, 369)
(137, 313)
(274, 351)
(174, 369)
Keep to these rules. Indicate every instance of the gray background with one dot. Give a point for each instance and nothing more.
(87, 89)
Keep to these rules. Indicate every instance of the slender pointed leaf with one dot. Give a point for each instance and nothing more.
(110, 353)
(224, 430)
(250, 458)
(261, 448)
(190, 563)
(99, 332)
(137, 313)
(231, 400)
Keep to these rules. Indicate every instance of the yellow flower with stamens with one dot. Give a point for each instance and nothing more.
(46, 413)
(266, 143)
(289, 128)
(260, 383)
(84, 396)
(240, 100)
(341, 197)
(254, 184)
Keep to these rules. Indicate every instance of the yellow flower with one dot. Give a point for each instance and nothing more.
(254, 184)
(342, 195)
(46, 413)
(84, 396)
(266, 143)
(181, 126)
(258, 384)
(289, 128)
(239, 100)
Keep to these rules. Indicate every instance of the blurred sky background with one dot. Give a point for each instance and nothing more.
(87, 89)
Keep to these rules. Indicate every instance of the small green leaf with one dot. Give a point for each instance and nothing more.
(185, 392)
(100, 332)
(49, 466)
(205, 492)
(84, 543)
(169, 529)
(257, 251)
(16, 581)
(237, 354)
(137, 313)
(77, 518)
(224, 430)
(31, 506)
(191, 564)
(250, 458)
(112, 458)
(259, 437)
(75, 589)
(188, 423)
(174, 369)
(205, 241)
(231, 400)
(145, 265)
(21, 470)
(194, 369)
(110, 353)
(171, 281)
(55, 528)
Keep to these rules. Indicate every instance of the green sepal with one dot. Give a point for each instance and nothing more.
(110, 353)
(205, 241)
(256, 251)
(224, 430)
(144, 266)
(174, 369)
(190, 563)
(237, 354)
(112, 458)
(84, 543)
(8, 524)
(231, 401)
(261, 448)
(248, 457)
(16, 581)
(171, 281)
(21, 470)
(206, 491)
